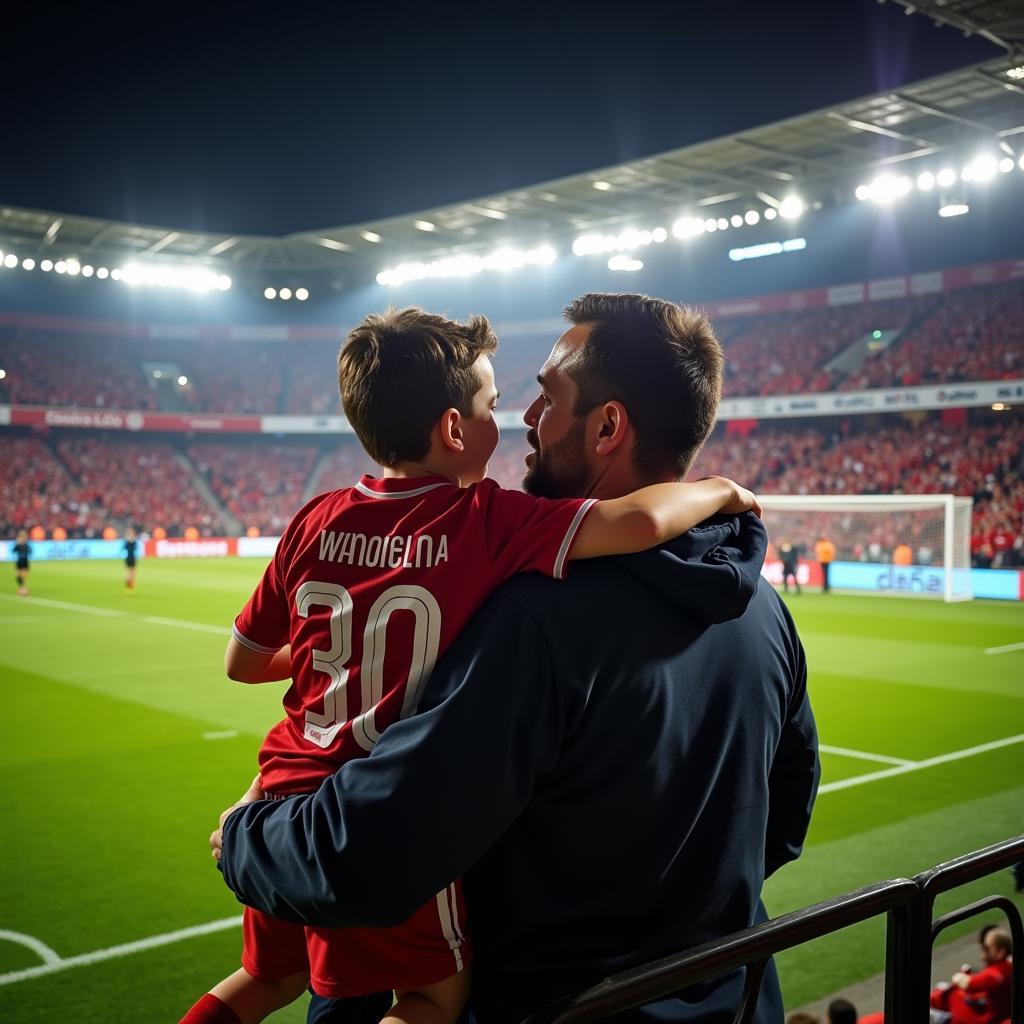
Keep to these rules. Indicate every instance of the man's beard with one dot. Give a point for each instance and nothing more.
(562, 470)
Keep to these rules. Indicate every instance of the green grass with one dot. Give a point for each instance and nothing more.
(112, 787)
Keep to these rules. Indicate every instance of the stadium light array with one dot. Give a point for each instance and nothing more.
(505, 258)
(167, 275)
(981, 168)
(753, 252)
(955, 209)
(1016, 73)
(626, 241)
(623, 261)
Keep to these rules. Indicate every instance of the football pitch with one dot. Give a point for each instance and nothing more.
(122, 741)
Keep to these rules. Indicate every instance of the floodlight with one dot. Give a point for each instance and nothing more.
(423, 225)
(370, 236)
(954, 210)
(285, 294)
(46, 265)
(945, 177)
(862, 192)
(602, 186)
(102, 273)
(751, 217)
(223, 282)
(28, 263)
(711, 224)
(723, 223)
(926, 181)
(791, 207)
(73, 267)
(60, 266)
(888, 187)
(10, 260)
(302, 294)
(270, 293)
(659, 235)
(182, 381)
(687, 227)
(3, 374)
(115, 274)
(1016, 73)
(625, 262)
(1006, 165)
(982, 168)
(736, 220)
(88, 271)
(770, 213)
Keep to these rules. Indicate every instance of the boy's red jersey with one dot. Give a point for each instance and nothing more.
(370, 585)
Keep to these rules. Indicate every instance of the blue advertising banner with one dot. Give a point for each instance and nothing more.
(68, 550)
(1001, 584)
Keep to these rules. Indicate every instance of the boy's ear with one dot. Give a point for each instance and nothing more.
(450, 426)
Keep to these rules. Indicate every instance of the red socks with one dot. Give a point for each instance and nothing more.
(210, 1010)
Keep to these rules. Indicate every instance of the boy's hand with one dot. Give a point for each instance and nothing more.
(740, 499)
(251, 795)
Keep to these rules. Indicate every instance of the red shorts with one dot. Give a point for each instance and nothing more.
(346, 962)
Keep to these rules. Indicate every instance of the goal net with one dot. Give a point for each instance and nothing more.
(913, 544)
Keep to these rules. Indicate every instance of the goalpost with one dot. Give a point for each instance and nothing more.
(913, 544)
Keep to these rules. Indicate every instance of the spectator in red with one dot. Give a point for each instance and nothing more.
(982, 997)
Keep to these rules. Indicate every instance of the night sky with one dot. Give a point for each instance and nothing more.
(264, 121)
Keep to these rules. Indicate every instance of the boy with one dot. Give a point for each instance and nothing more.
(22, 552)
(368, 587)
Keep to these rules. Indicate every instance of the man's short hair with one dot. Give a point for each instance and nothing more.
(841, 1011)
(1001, 939)
(662, 361)
(399, 370)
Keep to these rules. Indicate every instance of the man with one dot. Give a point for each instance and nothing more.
(825, 552)
(620, 757)
(982, 997)
(790, 555)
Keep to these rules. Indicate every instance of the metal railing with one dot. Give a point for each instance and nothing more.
(908, 903)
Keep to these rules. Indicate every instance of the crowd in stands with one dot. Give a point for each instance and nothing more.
(786, 353)
(261, 485)
(973, 334)
(134, 482)
(84, 481)
(977, 334)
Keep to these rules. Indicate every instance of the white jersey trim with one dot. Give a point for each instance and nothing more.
(415, 493)
(570, 536)
(449, 927)
(251, 644)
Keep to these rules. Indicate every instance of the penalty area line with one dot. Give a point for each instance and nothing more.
(113, 952)
(1006, 648)
(916, 766)
(863, 755)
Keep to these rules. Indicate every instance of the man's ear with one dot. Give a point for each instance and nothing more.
(450, 427)
(612, 426)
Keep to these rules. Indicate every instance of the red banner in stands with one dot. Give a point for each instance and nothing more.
(113, 419)
(204, 547)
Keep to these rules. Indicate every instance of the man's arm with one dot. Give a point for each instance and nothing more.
(385, 833)
(795, 772)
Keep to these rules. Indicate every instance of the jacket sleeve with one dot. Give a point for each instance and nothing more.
(795, 772)
(988, 980)
(387, 832)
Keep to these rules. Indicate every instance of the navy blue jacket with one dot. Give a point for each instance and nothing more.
(615, 761)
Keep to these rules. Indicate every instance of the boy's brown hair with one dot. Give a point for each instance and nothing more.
(399, 370)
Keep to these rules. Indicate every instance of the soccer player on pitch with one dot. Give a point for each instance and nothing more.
(369, 585)
(130, 547)
(22, 553)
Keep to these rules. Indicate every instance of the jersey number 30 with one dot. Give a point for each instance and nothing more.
(321, 729)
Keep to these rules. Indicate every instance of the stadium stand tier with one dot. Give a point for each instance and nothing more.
(84, 481)
(973, 334)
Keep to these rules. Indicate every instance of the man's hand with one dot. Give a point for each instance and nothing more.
(251, 795)
(961, 979)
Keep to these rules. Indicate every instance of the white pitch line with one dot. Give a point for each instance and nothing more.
(113, 952)
(863, 755)
(916, 766)
(227, 734)
(114, 613)
(1005, 648)
(41, 949)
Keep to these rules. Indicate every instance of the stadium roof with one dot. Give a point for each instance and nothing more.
(821, 155)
